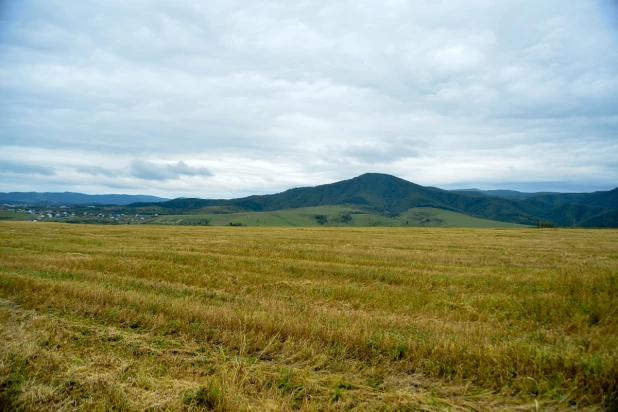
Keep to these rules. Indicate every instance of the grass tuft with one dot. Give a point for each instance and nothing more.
(209, 397)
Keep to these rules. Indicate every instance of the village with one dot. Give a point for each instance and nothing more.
(69, 214)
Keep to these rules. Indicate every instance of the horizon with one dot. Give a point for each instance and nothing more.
(272, 193)
(178, 99)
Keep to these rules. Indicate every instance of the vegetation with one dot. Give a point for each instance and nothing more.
(161, 318)
(336, 216)
(606, 219)
(13, 215)
(390, 196)
(345, 218)
(387, 199)
(321, 219)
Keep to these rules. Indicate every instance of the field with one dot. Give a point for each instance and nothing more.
(6, 215)
(334, 216)
(265, 318)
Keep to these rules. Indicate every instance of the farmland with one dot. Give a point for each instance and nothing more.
(139, 317)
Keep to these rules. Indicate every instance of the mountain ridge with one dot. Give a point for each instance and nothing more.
(386, 195)
(74, 198)
(391, 195)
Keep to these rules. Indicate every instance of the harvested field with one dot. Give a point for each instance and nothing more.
(258, 318)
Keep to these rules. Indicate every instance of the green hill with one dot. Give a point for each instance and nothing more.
(388, 199)
(334, 216)
(507, 194)
(605, 219)
(373, 193)
(572, 214)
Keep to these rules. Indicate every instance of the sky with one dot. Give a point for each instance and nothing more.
(218, 99)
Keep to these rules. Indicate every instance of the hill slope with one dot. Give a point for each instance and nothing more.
(328, 216)
(507, 194)
(605, 219)
(374, 193)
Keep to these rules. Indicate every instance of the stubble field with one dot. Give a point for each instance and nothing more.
(255, 318)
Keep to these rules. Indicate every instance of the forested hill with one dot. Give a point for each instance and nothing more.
(602, 198)
(386, 194)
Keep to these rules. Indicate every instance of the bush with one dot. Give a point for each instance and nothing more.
(321, 219)
(345, 218)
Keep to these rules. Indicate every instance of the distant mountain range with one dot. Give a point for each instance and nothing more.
(69, 199)
(371, 193)
(506, 194)
(391, 196)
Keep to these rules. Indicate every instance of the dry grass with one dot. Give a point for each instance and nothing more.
(171, 318)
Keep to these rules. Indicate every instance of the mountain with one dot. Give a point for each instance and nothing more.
(506, 194)
(69, 198)
(371, 193)
(572, 214)
(390, 196)
(602, 198)
(606, 219)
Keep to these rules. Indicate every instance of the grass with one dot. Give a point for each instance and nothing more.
(335, 216)
(252, 318)
(9, 215)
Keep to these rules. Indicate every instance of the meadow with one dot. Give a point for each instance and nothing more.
(6, 215)
(139, 317)
(332, 216)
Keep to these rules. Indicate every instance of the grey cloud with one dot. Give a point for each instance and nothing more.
(152, 171)
(380, 153)
(96, 171)
(181, 168)
(26, 169)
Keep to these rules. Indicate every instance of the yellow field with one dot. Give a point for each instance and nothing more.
(246, 318)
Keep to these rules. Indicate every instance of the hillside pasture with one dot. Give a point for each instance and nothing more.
(333, 216)
(11, 215)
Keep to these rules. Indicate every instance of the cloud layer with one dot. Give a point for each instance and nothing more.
(142, 169)
(211, 99)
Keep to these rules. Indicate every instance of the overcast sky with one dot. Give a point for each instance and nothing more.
(220, 99)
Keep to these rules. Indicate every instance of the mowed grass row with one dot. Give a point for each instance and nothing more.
(308, 318)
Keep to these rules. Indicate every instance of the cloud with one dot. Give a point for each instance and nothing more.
(372, 153)
(181, 168)
(458, 58)
(142, 169)
(95, 171)
(26, 169)
(268, 95)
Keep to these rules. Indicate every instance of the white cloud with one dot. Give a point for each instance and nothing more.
(458, 58)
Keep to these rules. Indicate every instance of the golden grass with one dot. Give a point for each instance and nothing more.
(226, 318)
